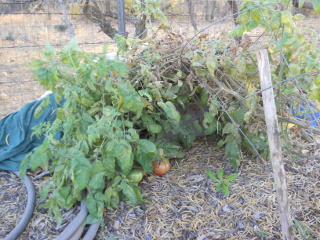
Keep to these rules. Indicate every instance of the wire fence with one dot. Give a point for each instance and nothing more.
(296, 80)
(26, 27)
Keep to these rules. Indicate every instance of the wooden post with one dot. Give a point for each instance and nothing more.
(275, 144)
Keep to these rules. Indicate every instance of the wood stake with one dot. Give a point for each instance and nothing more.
(275, 144)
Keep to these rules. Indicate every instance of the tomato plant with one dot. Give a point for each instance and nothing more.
(135, 175)
(161, 167)
(117, 114)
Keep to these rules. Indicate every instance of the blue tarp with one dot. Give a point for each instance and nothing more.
(16, 130)
(306, 114)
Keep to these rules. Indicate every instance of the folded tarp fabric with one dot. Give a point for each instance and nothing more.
(16, 139)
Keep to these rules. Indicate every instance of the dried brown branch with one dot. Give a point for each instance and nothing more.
(231, 81)
(299, 123)
(224, 88)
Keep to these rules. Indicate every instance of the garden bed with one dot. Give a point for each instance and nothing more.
(183, 204)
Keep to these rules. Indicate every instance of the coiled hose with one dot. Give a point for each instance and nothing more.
(74, 225)
(23, 223)
(74, 229)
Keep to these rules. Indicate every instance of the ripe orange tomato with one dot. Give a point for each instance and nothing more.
(161, 167)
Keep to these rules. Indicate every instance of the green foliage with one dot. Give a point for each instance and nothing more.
(103, 119)
(116, 115)
(303, 230)
(222, 183)
(316, 5)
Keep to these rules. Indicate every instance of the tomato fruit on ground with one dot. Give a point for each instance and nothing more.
(161, 167)
(135, 175)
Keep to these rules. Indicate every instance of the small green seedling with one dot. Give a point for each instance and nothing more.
(222, 184)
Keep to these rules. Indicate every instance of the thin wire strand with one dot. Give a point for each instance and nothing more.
(274, 85)
(303, 159)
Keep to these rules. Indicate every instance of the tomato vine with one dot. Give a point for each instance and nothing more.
(117, 114)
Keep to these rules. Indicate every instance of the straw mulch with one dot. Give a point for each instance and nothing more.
(183, 204)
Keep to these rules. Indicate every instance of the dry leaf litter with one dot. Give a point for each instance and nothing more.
(183, 204)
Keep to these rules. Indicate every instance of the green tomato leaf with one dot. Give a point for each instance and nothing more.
(87, 99)
(210, 130)
(154, 128)
(301, 2)
(92, 206)
(212, 65)
(158, 14)
(146, 146)
(170, 111)
(114, 200)
(316, 5)
(275, 24)
(177, 154)
(241, 65)
(286, 17)
(124, 155)
(229, 128)
(97, 181)
(250, 25)
(137, 191)
(24, 165)
(221, 143)
(255, 15)
(91, 220)
(129, 99)
(317, 80)
(257, 142)
(129, 193)
(145, 153)
(298, 17)
(233, 152)
(56, 212)
(99, 196)
(72, 45)
(238, 31)
(45, 191)
(243, 17)
(40, 157)
(82, 175)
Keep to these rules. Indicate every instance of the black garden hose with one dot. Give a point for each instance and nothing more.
(74, 225)
(74, 229)
(92, 231)
(77, 235)
(26, 217)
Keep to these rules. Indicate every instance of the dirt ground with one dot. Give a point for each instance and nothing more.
(183, 204)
